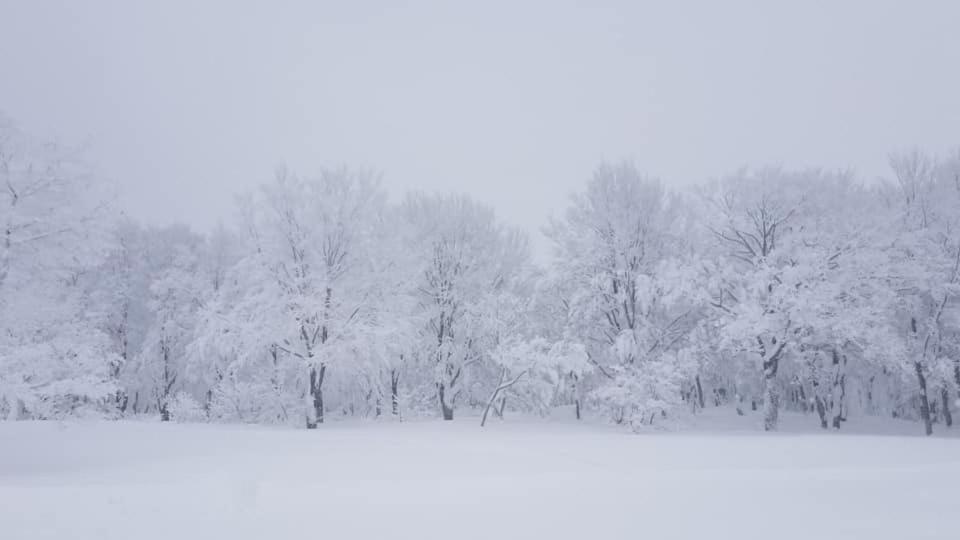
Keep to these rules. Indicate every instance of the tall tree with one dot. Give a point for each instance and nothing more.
(53, 358)
(312, 237)
(925, 255)
(612, 248)
(463, 254)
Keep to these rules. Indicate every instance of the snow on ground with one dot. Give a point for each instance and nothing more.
(430, 479)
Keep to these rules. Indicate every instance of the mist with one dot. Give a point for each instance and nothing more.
(184, 104)
(450, 270)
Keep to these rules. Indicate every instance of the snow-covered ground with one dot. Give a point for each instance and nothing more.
(429, 479)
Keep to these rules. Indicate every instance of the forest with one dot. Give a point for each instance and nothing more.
(764, 289)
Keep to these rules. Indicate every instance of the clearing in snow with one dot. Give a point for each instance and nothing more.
(432, 479)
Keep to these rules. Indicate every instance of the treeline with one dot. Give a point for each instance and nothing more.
(766, 289)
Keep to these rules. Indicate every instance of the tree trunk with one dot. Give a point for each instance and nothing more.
(945, 400)
(576, 394)
(924, 402)
(445, 409)
(771, 405)
(318, 397)
(770, 353)
(922, 380)
(315, 416)
(394, 397)
(164, 413)
(839, 388)
(315, 413)
(821, 411)
(493, 397)
(501, 386)
(169, 379)
(771, 396)
(699, 392)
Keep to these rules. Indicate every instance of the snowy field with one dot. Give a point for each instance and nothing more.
(428, 479)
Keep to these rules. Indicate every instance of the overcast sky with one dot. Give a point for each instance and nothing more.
(185, 103)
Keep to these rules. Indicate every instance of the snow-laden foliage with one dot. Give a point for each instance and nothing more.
(765, 289)
(54, 361)
(632, 302)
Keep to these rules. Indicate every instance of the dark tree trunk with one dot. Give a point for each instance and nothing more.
(922, 380)
(924, 402)
(771, 406)
(318, 404)
(316, 375)
(447, 412)
(169, 379)
(164, 413)
(821, 411)
(945, 402)
(445, 409)
(699, 392)
(316, 394)
(771, 397)
(576, 395)
(802, 398)
(771, 394)
(839, 388)
(719, 396)
(394, 388)
(121, 398)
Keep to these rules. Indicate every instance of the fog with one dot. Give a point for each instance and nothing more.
(185, 103)
(365, 348)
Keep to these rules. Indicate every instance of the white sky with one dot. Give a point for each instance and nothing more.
(185, 103)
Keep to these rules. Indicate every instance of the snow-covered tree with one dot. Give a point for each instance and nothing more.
(627, 303)
(527, 367)
(925, 268)
(53, 359)
(805, 291)
(795, 275)
(312, 239)
(463, 255)
(175, 295)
